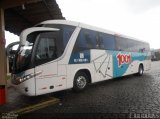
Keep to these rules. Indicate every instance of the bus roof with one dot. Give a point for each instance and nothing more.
(86, 26)
(73, 23)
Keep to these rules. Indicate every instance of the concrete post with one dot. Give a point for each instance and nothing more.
(2, 51)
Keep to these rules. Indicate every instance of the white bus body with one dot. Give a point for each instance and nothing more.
(46, 62)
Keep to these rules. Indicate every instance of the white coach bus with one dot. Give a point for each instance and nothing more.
(58, 54)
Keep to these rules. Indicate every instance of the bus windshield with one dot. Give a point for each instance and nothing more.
(23, 57)
(42, 46)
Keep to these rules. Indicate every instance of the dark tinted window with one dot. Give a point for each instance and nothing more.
(121, 43)
(87, 39)
(129, 45)
(132, 45)
(66, 30)
(106, 41)
(143, 47)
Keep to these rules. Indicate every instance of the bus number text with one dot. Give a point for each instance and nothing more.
(123, 59)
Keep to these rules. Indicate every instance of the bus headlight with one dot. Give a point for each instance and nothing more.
(18, 79)
(26, 77)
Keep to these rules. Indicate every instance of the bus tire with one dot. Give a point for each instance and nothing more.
(80, 81)
(140, 70)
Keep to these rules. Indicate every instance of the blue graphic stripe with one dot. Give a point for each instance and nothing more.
(120, 70)
(80, 57)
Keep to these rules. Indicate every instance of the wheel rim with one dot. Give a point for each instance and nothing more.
(81, 82)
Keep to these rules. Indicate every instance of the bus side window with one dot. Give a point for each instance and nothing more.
(90, 39)
(121, 43)
(67, 32)
(101, 42)
(106, 41)
(86, 40)
(97, 42)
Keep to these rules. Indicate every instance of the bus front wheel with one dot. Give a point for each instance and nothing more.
(80, 81)
(140, 70)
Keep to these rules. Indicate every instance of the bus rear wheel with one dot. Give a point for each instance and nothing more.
(140, 70)
(80, 81)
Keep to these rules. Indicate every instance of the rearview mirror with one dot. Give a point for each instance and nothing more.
(11, 51)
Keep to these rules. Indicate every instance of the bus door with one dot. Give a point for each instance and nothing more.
(46, 64)
(46, 77)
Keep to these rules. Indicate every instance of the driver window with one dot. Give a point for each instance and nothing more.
(46, 50)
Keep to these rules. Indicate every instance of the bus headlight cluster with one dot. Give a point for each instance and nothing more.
(24, 78)
(19, 79)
